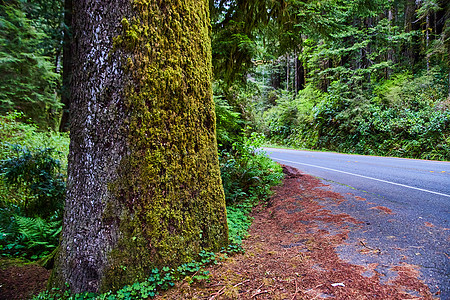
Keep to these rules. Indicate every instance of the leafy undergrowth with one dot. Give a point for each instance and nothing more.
(32, 187)
(404, 116)
(248, 176)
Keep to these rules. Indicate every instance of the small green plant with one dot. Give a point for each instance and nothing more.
(238, 223)
(13, 131)
(247, 175)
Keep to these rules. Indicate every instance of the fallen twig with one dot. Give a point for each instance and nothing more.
(218, 293)
(259, 293)
(241, 283)
(364, 245)
(296, 290)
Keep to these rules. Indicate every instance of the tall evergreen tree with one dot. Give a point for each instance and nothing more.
(144, 188)
(27, 78)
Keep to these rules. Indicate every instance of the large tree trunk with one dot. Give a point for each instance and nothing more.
(390, 51)
(144, 187)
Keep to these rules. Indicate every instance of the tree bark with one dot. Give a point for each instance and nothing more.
(427, 40)
(390, 51)
(300, 75)
(144, 186)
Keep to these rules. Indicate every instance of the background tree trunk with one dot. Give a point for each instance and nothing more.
(275, 75)
(67, 67)
(144, 187)
(411, 49)
(288, 71)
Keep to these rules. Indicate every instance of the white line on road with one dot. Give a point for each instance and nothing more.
(362, 176)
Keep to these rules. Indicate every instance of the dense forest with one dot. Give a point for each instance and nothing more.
(365, 77)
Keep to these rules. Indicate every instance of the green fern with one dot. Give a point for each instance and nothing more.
(38, 233)
(32, 238)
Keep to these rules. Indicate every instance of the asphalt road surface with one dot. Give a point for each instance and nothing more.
(416, 232)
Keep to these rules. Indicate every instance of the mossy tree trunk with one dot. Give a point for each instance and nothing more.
(144, 187)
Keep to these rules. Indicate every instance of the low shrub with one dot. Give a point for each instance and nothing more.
(29, 238)
(37, 175)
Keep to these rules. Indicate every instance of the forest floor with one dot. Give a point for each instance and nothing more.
(21, 281)
(290, 254)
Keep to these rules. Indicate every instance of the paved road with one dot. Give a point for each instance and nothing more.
(416, 191)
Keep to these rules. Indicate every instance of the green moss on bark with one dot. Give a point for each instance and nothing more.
(169, 195)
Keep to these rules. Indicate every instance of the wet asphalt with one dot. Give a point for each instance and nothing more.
(415, 229)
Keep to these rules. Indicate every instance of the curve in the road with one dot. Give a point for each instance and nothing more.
(367, 177)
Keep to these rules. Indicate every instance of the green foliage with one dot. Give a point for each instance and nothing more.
(36, 193)
(404, 90)
(15, 132)
(234, 25)
(404, 116)
(38, 174)
(280, 119)
(247, 173)
(239, 222)
(374, 77)
(48, 17)
(228, 123)
(27, 78)
(291, 115)
(30, 238)
(31, 188)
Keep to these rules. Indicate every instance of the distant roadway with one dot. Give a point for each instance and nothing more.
(417, 192)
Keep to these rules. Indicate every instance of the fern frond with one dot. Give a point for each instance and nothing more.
(37, 232)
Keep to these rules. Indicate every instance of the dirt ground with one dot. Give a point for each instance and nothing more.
(290, 254)
(21, 281)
